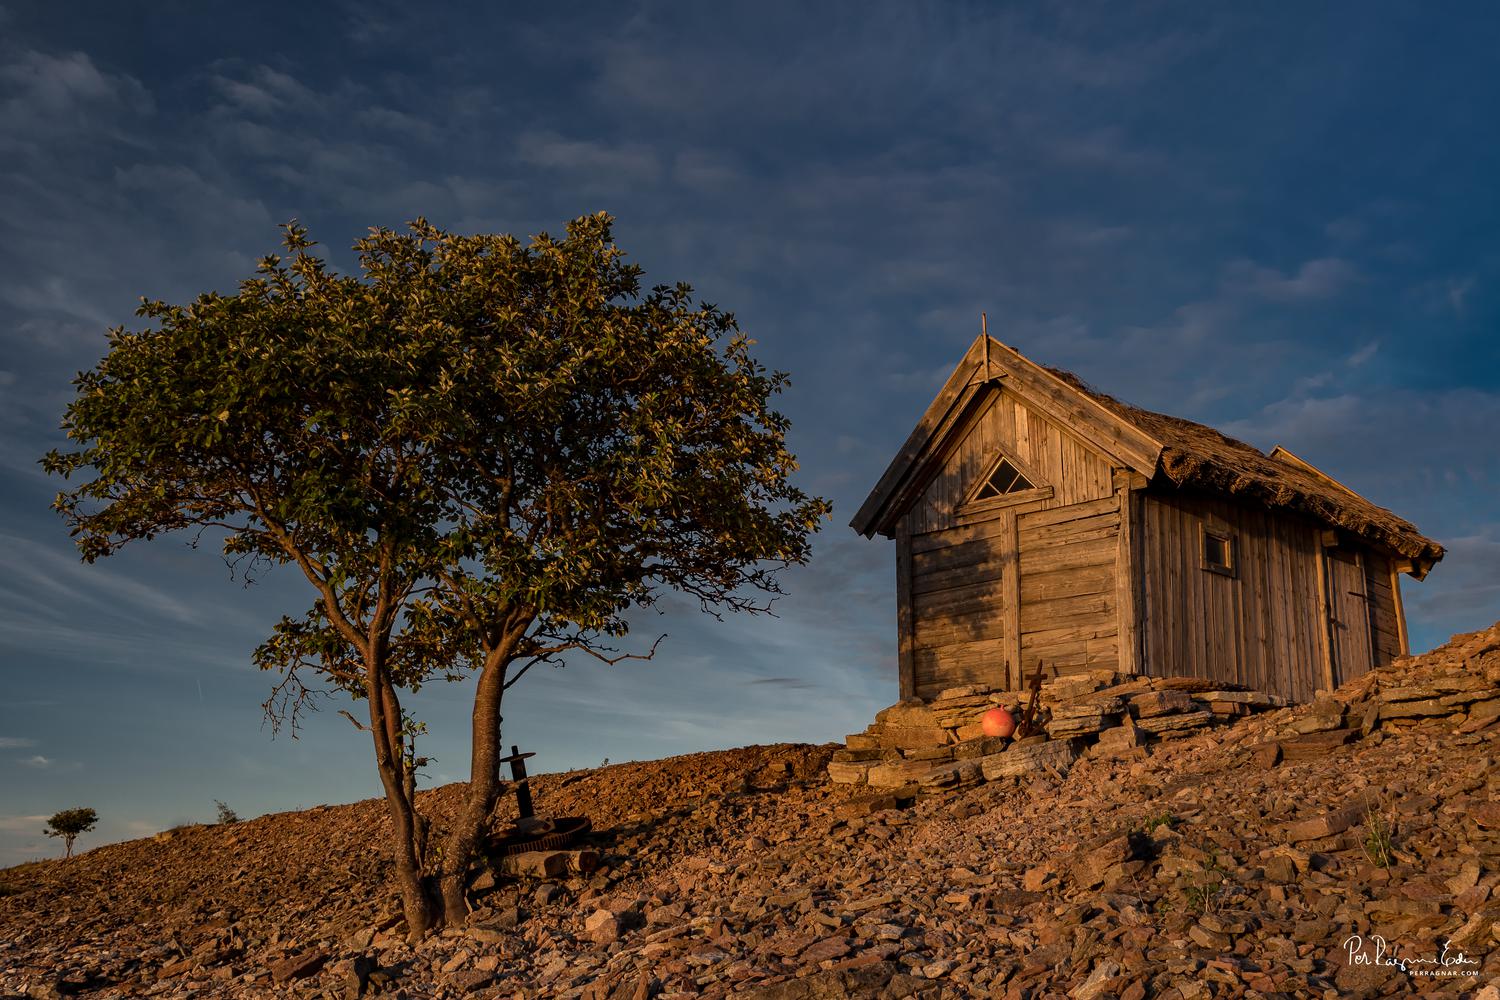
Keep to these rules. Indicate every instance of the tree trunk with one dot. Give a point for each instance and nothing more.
(402, 809)
(468, 830)
(395, 724)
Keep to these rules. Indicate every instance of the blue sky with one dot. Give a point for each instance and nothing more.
(1278, 219)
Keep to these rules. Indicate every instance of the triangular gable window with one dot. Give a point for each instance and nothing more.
(1004, 480)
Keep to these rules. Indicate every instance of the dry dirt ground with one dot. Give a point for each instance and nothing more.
(1210, 866)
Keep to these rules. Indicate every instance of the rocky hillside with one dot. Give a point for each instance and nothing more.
(1346, 848)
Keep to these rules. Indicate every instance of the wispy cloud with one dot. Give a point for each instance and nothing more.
(1316, 279)
(58, 295)
(37, 761)
(15, 743)
(42, 568)
(789, 683)
(610, 164)
(46, 97)
(58, 84)
(1458, 294)
(264, 91)
(1363, 355)
(22, 824)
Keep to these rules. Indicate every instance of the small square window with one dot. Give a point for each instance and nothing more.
(1218, 552)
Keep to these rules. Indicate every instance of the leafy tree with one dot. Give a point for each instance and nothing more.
(481, 453)
(69, 823)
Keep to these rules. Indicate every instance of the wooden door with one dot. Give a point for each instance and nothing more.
(1348, 615)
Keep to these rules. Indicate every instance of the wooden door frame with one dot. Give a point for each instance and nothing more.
(1401, 638)
(1129, 602)
(1325, 606)
(1335, 670)
(1009, 538)
(906, 659)
(1365, 599)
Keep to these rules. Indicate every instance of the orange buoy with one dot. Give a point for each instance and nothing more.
(997, 722)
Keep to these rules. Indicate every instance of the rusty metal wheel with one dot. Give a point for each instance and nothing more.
(565, 830)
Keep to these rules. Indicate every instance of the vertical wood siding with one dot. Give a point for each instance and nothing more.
(1261, 627)
(1008, 426)
(1384, 610)
(1351, 625)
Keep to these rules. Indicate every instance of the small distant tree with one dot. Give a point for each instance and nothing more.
(226, 814)
(69, 823)
(481, 454)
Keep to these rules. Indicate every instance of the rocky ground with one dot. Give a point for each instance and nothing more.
(1329, 850)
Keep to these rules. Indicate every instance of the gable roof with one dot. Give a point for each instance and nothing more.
(1166, 450)
(986, 362)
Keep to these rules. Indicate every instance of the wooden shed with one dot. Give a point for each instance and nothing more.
(1039, 521)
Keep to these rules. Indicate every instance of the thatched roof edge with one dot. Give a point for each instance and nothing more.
(1195, 456)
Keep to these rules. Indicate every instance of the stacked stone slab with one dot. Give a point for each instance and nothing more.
(1455, 686)
(939, 744)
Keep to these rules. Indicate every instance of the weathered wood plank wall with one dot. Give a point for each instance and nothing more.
(1261, 627)
(984, 600)
(1385, 611)
(957, 606)
(1008, 426)
(987, 599)
(1351, 624)
(1069, 599)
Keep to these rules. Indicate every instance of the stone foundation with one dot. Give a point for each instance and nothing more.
(939, 744)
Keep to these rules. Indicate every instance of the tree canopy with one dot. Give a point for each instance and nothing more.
(482, 453)
(69, 824)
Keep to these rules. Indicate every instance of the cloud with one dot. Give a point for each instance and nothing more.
(42, 568)
(1089, 235)
(265, 92)
(22, 824)
(1439, 432)
(15, 743)
(927, 380)
(1363, 355)
(398, 123)
(46, 97)
(55, 294)
(789, 683)
(605, 163)
(1109, 148)
(58, 84)
(1458, 294)
(1347, 229)
(1322, 278)
(853, 71)
(704, 170)
(37, 761)
(197, 201)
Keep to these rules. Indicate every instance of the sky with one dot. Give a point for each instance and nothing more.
(1279, 219)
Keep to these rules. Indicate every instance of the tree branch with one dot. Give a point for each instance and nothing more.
(547, 655)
